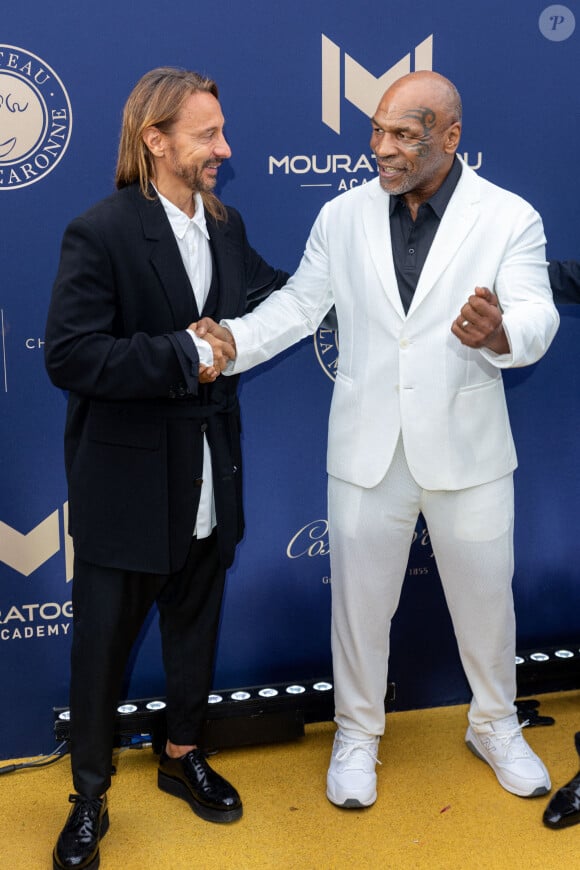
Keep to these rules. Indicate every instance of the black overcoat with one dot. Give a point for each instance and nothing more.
(116, 341)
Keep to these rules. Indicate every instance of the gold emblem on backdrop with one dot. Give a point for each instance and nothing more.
(35, 118)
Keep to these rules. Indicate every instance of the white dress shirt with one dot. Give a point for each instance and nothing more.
(192, 240)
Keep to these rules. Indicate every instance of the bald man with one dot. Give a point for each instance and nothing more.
(439, 281)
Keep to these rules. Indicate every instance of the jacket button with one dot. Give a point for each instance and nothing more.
(203, 427)
(198, 481)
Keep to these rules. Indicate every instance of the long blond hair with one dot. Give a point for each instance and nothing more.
(155, 101)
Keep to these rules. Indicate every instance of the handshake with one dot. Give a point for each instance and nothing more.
(222, 344)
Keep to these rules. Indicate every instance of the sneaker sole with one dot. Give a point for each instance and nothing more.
(538, 792)
(178, 789)
(351, 803)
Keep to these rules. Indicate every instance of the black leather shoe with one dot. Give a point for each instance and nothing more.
(208, 794)
(564, 807)
(78, 843)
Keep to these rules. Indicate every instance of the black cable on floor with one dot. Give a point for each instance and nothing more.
(60, 751)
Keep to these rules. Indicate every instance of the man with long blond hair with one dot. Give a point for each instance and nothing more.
(152, 446)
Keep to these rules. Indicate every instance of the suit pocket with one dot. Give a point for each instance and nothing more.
(122, 430)
(118, 488)
(480, 423)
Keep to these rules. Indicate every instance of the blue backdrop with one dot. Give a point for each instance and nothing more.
(298, 80)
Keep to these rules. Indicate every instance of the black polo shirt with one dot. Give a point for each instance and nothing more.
(411, 239)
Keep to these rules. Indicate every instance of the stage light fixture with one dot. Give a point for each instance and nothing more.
(277, 712)
(548, 669)
(242, 717)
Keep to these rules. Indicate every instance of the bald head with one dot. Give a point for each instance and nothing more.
(428, 87)
(416, 131)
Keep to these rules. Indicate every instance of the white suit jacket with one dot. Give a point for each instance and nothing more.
(410, 374)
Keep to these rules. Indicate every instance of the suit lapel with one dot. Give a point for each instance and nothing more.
(377, 230)
(166, 260)
(457, 222)
(222, 259)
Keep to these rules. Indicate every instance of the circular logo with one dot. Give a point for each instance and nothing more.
(35, 118)
(326, 347)
(557, 23)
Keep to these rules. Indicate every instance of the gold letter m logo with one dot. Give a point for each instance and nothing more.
(27, 552)
(361, 88)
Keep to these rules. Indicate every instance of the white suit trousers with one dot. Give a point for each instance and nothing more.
(370, 532)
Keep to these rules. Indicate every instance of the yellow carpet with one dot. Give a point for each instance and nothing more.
(439, 807)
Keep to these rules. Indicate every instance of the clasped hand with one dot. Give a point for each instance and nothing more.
(222, 344)
(480, 322)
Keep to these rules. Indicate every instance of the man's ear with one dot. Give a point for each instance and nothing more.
(452, 137)
(154, 140)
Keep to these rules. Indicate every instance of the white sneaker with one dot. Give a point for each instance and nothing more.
(351, 779)
(502, 746)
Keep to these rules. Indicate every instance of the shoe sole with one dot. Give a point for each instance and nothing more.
(94, 865)
(563, 823)
(538, 792)
(351, 803)
(178, 789)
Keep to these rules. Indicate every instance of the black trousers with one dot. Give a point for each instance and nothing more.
(109, 608)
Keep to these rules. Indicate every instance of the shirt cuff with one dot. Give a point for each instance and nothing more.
(204, 350)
